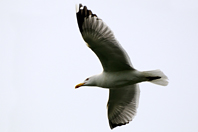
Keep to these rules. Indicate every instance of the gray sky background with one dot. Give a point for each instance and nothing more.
(43, 56)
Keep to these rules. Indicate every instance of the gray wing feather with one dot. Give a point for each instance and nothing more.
(122, 105)
(102, 42)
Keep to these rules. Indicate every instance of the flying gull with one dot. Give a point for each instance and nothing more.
(119, 76)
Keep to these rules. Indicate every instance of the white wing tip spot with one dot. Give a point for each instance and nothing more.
(81, 7)
(77, 8)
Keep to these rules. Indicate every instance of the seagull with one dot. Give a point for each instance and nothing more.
(118, 75)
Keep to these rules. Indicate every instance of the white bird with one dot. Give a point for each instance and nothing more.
(119, 76)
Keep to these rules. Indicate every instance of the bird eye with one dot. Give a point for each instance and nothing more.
(87, 79)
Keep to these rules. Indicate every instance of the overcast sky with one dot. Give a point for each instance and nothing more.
(43, 56)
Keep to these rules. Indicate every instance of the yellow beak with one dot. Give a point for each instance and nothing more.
(80, 84)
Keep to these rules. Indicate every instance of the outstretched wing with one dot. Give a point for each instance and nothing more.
(122, 105)
(102, 42)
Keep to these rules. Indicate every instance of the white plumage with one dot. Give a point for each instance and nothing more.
(118, 75)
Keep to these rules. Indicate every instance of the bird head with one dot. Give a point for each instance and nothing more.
(88, 82)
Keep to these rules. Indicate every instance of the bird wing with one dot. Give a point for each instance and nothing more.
(102, 42)
(122, 105)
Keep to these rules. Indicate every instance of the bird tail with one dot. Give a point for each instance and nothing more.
(156, 77)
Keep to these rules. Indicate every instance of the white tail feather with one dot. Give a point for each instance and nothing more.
(163, 80)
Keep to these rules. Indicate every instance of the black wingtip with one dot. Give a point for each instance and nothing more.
(113, 125)
(81, 14)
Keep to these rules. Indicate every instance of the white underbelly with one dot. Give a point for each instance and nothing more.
(119, 79)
